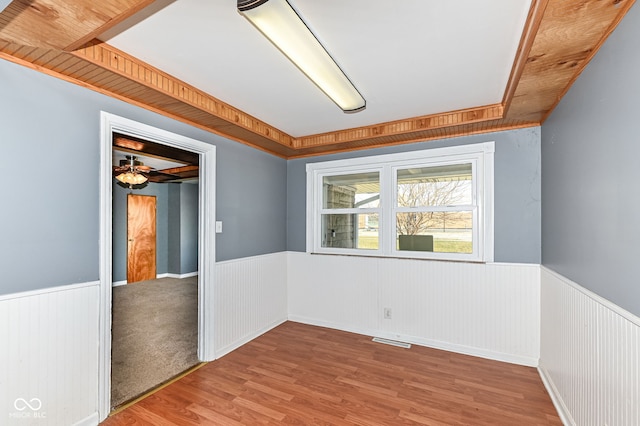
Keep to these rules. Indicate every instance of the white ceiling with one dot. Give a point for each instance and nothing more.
(408, 58)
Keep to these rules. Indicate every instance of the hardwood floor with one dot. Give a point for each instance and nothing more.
(300, 374)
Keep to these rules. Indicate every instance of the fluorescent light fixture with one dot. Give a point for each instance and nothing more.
(279, 23)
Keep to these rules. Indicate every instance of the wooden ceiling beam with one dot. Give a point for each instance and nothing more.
(183, 171)
(427, 135)
(122, 64)
(531, 27)
(157, 150)
(569, 35)
(160, 176)
(63, 24)
(125, 10)
(404, 127)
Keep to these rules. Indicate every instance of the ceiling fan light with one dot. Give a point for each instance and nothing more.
(281, 25)
(131, 178)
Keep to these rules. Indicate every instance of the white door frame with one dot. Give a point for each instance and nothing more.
(109, 124)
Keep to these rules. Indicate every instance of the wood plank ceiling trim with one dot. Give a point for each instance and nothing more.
(615, 10)
(404, 127)
(421, 136)
(560, 38)
(63, 25)
(532, 25)
(120, 63)
(569, 35)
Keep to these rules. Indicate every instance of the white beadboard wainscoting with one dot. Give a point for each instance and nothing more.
(250, 298)
(590, 355)
(588, 349)
(486, 310)
(49, 356)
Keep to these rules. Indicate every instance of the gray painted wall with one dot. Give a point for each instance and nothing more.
(49, 220)
(590, 152)
(254, 211)
(188, 228)
(183, 228)
(517, 191)
(173, 234)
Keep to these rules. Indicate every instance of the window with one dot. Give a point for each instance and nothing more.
(435, 204)
(350, 211)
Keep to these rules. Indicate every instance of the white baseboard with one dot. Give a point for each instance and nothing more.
(246, 339)
(167, 275)
(461, 349)
(91, 420)
(556, 398)
(181, 276)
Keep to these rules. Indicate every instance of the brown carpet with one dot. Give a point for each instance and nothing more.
(154, 334)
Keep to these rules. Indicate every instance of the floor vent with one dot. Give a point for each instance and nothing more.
(392, 342)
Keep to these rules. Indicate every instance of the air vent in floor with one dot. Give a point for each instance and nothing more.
(392, 342)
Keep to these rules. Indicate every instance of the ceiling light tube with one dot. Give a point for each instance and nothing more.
(279, 23)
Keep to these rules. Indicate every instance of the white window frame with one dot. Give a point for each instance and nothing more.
(480, 155)
(354, 210)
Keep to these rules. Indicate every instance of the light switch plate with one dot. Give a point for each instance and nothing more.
(218, 227)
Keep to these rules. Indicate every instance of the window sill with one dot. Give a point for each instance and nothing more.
(375, 256)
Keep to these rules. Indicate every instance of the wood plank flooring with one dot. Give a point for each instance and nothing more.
(301, 374)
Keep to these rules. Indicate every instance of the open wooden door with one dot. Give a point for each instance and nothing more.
(141, 238)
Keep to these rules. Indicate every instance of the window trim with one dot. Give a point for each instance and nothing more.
(480, 154)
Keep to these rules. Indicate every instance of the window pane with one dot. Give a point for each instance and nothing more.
(440, 232)
(435, 186)
(358, 231)
(360, 190)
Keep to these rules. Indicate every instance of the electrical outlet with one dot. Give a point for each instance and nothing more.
(387, 313)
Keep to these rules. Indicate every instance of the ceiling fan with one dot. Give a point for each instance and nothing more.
(131, 171)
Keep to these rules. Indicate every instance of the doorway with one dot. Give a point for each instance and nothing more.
(155, 245)
(111, 124)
